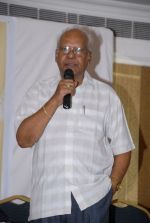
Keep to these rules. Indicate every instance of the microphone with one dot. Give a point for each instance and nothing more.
(67, 102)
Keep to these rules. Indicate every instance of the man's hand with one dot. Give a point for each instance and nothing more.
(65, 86)
(115, 184)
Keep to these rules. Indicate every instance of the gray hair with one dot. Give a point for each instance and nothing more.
(88, 32)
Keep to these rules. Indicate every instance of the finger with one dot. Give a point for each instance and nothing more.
(76, 83)
(69, 84)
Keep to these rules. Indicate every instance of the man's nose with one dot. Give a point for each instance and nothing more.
(71, 54)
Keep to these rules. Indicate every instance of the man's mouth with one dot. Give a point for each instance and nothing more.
(70, 65)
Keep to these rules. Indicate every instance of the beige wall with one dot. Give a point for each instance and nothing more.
(132, 85)
(2, 77)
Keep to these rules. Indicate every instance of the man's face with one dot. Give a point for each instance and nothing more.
(68, 56)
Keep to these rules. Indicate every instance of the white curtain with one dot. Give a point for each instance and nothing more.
(31, 56)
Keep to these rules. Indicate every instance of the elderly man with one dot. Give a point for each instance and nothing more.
(80, 154)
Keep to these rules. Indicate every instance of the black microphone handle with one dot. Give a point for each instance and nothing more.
(67, 100)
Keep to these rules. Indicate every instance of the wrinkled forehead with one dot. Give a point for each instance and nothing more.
(73, 37)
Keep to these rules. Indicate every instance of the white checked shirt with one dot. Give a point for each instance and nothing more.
(75, 153)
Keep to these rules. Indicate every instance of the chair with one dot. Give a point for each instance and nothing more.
(126, 212)
(14, 212)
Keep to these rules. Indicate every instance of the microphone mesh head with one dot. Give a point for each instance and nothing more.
(68, 74)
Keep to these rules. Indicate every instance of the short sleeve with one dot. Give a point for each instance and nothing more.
(118, 132)
(32, 102)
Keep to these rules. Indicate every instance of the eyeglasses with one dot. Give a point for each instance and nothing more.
(76, 50)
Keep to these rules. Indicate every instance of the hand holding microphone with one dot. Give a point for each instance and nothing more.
(65, 89)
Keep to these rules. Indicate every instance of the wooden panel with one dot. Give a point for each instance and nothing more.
(144, 142)
(2, 72)
(132, 84)
(127, 85)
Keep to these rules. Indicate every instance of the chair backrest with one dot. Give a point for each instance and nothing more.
(14, 212)
(124, 212)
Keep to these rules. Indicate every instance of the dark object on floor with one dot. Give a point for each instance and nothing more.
(122, 212)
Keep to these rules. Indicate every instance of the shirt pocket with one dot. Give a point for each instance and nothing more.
(87, 120)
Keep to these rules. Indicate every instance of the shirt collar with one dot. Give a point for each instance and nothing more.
(87, 80)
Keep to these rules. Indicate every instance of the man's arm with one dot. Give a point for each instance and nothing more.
(120, 166)
(31, 128)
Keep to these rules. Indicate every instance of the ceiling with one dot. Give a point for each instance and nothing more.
(143, 2)
(134, 10)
